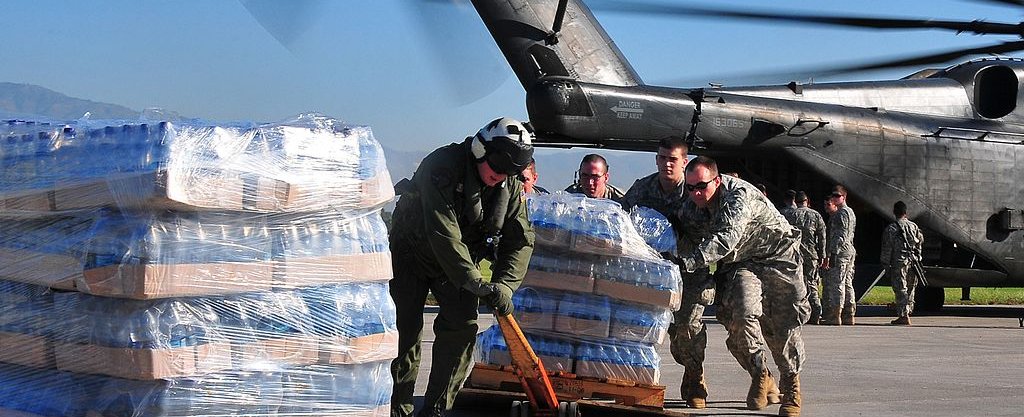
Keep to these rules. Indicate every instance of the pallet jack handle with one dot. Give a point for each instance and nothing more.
(528, 368)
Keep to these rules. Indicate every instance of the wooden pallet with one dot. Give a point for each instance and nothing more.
(569, 387)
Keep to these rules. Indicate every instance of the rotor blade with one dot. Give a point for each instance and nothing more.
(977, 26)
(935, 58)
(461, 49)
(803, 74)
(285, 21)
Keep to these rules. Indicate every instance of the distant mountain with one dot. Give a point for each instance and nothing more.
(27, 100)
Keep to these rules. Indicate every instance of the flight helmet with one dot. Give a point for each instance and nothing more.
(506, 144)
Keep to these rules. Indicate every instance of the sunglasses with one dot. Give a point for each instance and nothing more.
(703, 185)
(836, 195)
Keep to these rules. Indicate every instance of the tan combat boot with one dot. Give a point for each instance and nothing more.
(848, 319)
(694, 390)
(901, 321)
(831, 317)
(791, 400)
(774, 396)
(760, 387)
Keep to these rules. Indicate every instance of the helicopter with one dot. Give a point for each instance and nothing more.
(948, 142)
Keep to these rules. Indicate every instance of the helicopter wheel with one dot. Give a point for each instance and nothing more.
(568, 409)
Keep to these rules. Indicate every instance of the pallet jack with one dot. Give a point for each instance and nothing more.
(541, 398)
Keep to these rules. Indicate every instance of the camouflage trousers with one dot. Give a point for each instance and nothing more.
(763, 303)
(903, 285)
(688, 333)
(838, 288)
(810, 269)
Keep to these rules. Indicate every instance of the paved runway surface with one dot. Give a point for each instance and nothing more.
(968, 361)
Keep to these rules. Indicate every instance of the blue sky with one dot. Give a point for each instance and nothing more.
(368, 62)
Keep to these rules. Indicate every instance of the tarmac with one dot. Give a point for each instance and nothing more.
(963, 361)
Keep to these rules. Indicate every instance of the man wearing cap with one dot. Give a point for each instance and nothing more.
(761, 297)
(592, 180)
(812, 244)
(838, 280)
(663, 191)
(464, 204)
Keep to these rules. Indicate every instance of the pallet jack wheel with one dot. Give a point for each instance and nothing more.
(568, 409)
(520, 409)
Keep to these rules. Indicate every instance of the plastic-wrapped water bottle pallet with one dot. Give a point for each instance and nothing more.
(206, 191)
(570, 387)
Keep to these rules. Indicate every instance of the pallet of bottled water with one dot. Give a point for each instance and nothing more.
(180, 269)
(633, 271)
(590, 313)
(307, 163)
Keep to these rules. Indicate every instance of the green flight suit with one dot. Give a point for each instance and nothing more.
(438, 236)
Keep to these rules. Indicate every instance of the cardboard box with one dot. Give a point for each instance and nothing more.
(644, 295)
(187, 189)
(364, 349)
(27, 350)
(46, 269)
(277, 195)
(552, 236)
(146, 281)
(4, 412)
(302, 272)
(596, 245)
(292, 350)
(40, 201)
(558, 281)
(581, 327)
(536, 320)
(144, 364)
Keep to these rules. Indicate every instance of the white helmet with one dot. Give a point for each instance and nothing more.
(506, 144)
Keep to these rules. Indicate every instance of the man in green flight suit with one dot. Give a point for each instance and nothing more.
(464, 204)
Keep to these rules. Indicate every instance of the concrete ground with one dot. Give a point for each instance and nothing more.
(966, 361)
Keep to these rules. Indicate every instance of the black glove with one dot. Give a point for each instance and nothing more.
(500, 300)
(498, 297)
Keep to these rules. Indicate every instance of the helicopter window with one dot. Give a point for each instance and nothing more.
(995, 91)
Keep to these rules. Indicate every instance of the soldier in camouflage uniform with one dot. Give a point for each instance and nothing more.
(592, 180)
(842, 302)
(464, 204)
(663, 191)
(901, 247)
(812, 244)
(758, 276)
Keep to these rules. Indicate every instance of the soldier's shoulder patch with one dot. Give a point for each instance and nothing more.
(441, 176)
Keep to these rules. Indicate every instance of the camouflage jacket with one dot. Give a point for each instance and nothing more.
(812, 230)
(437, 223)
(840, 232)
(743, 225)
(611, 192)
(647, 192)
(901, 242)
